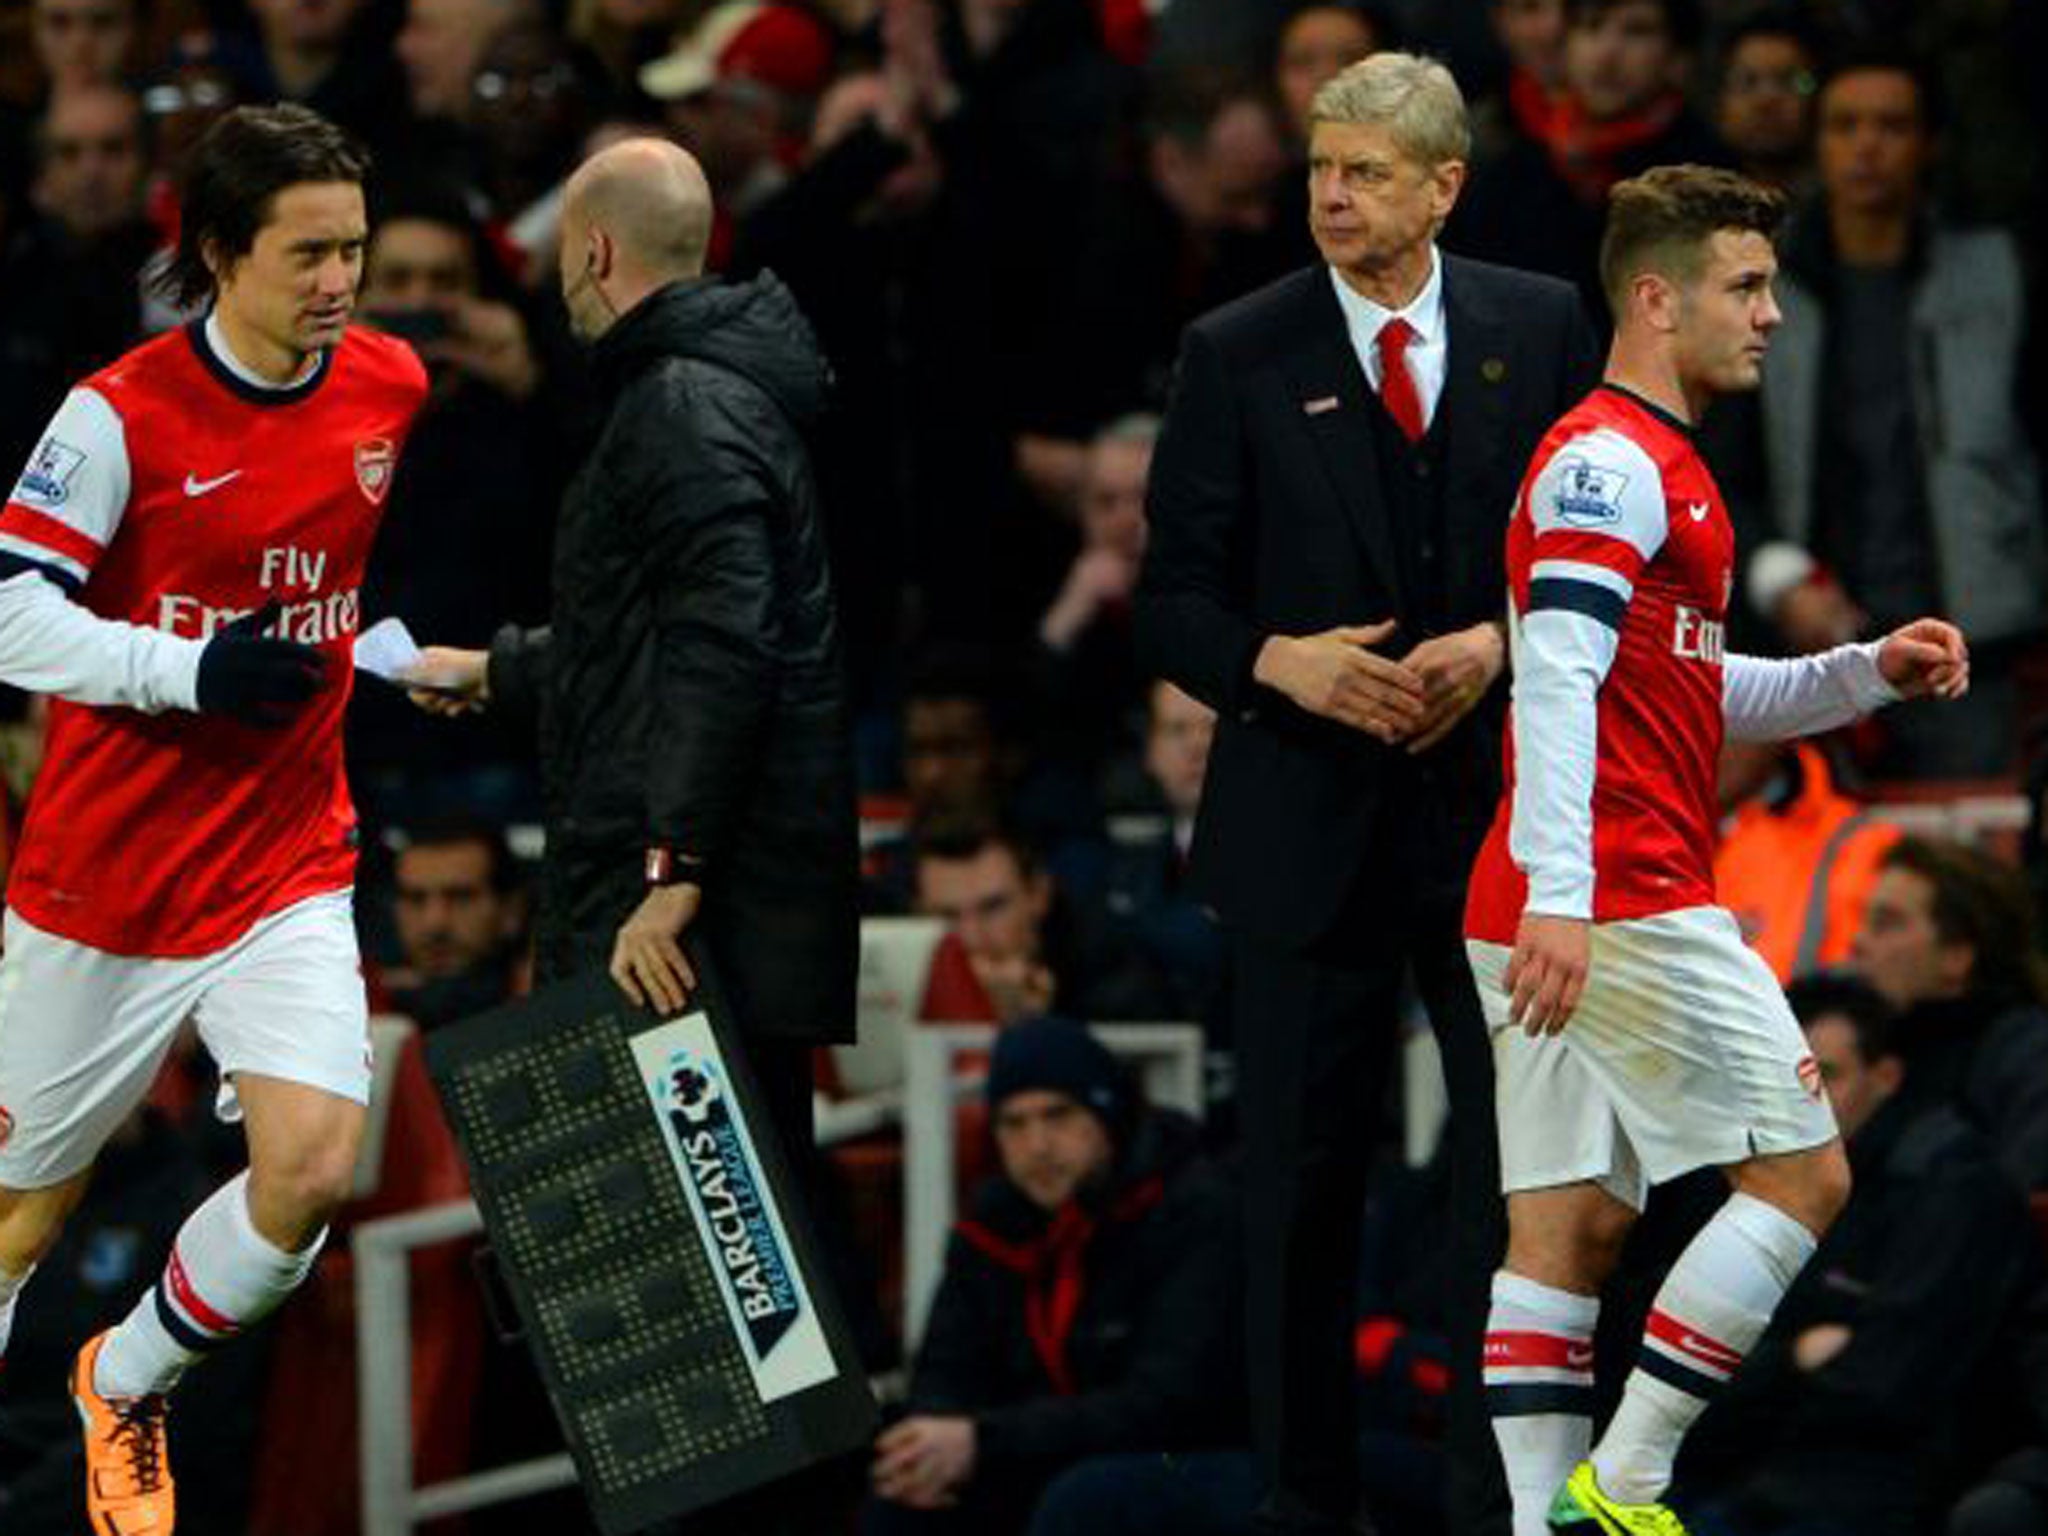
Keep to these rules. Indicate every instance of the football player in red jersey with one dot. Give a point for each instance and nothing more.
(180, 570)
(1636, 1037)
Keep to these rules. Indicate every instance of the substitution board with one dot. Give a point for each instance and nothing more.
(648, 1230)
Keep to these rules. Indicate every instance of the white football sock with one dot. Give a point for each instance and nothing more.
(1539, 1389)
(1713, 1307)
(222, 1275)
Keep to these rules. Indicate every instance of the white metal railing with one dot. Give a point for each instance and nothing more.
(1169, 1055)
(1963, 819)
(392, 1506)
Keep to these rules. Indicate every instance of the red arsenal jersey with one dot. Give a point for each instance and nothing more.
(1620, 561)
(178, 495)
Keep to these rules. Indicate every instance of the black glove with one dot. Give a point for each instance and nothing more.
(254, 678)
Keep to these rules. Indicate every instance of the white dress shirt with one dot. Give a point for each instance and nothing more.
(1428, 352)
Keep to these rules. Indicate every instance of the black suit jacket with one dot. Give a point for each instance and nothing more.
(1267, 519)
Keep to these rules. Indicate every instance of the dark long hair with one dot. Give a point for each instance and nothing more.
(236, 170)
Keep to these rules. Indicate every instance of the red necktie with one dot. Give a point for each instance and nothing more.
(1397, 384)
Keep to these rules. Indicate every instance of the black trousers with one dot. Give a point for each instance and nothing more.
(1317, 1033)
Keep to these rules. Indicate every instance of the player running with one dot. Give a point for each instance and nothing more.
(1592, 903)
(180, 567)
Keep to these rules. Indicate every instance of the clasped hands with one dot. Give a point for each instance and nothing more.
(1413, 702)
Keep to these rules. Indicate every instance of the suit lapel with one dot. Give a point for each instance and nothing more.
(1332, 395)
(1474, 406)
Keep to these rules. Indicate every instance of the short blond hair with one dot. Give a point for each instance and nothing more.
(1413, 97)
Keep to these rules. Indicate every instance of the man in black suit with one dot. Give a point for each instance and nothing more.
(1329, 500)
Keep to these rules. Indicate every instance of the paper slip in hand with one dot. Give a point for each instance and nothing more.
(387, 650)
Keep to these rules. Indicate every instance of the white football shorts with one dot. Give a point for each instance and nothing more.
(1681, 1054)
(83, 1032)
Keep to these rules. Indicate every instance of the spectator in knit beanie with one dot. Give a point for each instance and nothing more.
(1088, 1318)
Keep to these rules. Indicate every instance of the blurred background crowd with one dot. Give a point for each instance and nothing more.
(998, 215)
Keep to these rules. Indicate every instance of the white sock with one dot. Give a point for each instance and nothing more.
(1539, 1389)
(222, 1275)
(1712, 1309)
(10, 1288)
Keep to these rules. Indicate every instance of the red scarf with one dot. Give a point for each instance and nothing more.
(1581, 150)
(1054, 1280)
(1529, 104)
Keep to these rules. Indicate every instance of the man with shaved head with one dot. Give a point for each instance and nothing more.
(695, 751)
(695, 747)
(641, 210)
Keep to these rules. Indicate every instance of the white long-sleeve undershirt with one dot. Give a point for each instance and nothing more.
(50, 644)
(1561, 659)
(1765, 699)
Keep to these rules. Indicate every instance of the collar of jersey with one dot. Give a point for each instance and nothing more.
(255, 394)
(1677, 424)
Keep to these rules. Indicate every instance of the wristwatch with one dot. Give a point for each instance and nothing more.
(664, 866)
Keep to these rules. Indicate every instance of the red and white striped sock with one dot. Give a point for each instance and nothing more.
(1539, 1389)
(222, 1276)
(1712, 1309)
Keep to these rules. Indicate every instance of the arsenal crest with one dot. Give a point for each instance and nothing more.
(374, 460)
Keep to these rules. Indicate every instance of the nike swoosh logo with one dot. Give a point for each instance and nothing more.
(1699, 510)
(1708, 1350)
(194, 486)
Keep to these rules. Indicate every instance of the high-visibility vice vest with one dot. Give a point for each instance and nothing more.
(1796, 876)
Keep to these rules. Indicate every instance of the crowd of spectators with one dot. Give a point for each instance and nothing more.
(998, 215)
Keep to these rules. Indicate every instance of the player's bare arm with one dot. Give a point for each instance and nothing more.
(1336, 674)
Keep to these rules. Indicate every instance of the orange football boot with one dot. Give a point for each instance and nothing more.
(128, 1490)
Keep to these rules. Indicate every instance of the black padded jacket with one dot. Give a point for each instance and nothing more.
(690, 690)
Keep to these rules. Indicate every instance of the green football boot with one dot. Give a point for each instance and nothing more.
(1581, 1509)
